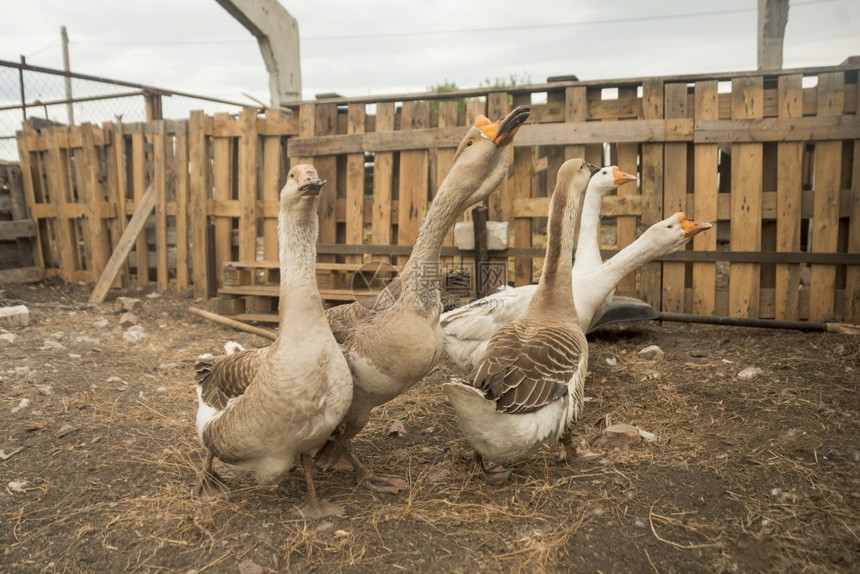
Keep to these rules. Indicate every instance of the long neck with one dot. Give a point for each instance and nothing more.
(421, 275)
(298, 293)
(588, 243)
(555, 288)
(597, 284)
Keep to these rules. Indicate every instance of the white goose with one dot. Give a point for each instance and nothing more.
(259, 409)
(394, 341)
(467, 329)
(527, 387)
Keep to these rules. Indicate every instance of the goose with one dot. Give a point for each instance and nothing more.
(393, 341)
(260, 409)
(527, 386)
(466, 329)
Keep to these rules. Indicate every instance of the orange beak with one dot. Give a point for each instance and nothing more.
(621, 177)
(691, 227)
(502, 132)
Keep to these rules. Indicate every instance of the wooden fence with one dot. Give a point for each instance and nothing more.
(772, 159)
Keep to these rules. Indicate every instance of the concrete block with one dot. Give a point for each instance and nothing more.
(497, 235)
(16, 316)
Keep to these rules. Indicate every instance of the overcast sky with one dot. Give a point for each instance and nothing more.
(393, 46)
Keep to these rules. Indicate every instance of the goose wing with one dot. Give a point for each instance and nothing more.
(227, 378)
(478, 320)
(527, 366)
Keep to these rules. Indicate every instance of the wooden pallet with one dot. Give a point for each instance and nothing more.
(250, 288)
(17, 230)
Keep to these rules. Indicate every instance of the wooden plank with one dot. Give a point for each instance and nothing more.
(626, 225)
(180, 175)
(223, 175)
(58, 183)
(93, 199)
(249, 149)
(15, 204)
(138, 187)
(529, 135)
(30, 274)
(792, 128)
(825, 219)
(674, 195)
(383, 179)
(414, 168)
(325, 124)
(852, 273)
(354, 226)
(198, 160)
(159, 180)
(705, 195)
(135, 227)
(746, 181)
(650, 284)
(115, 194)
(444, 157)
(271, 184)
(27, 170)
(500, 199)
(789, 195)
(15, 229)
(525, 188)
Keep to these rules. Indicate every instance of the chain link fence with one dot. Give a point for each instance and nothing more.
(39, 95)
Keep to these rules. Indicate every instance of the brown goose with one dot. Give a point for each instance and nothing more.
(467, 329)
(527, 386)
(395, 341)
(259, 409)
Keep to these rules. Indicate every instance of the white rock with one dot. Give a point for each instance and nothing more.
(611, 361)
(134, 334)
(101, 323)
(750, 373)
(22, 405)
(51, 344)
(18, 486)
(8, 337)
(651, 353)
(15, 316)
(46, 390)
(154, 295)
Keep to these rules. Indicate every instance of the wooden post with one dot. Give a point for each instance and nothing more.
(479, 223)
(383, 179)
(650, 288)
(745, 279)
(249, 147)
(198, 159)
(355, 184)
(705, 201)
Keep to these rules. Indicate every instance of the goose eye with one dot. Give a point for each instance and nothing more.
(469, 143)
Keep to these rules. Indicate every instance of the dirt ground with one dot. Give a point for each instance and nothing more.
(744, 476)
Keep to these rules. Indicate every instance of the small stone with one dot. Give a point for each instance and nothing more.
(134, 334)
(127, 303)
(154, 295)
(651, 353)
(18, 487)
(167, 366)
(51, 344)
(22, 405)
(128, 319)
(639, 523)
(101, 323)
(46, 390)
(649, 374)
(397, 428)
(15, 316)
(8, 337)
(750, 373)
(611, 361)
(618, 436)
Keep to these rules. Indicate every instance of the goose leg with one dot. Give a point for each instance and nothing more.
(332, 457)
(385, 483)
(494, 474)
(313, 507)
(569, 449)
(210, 486)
